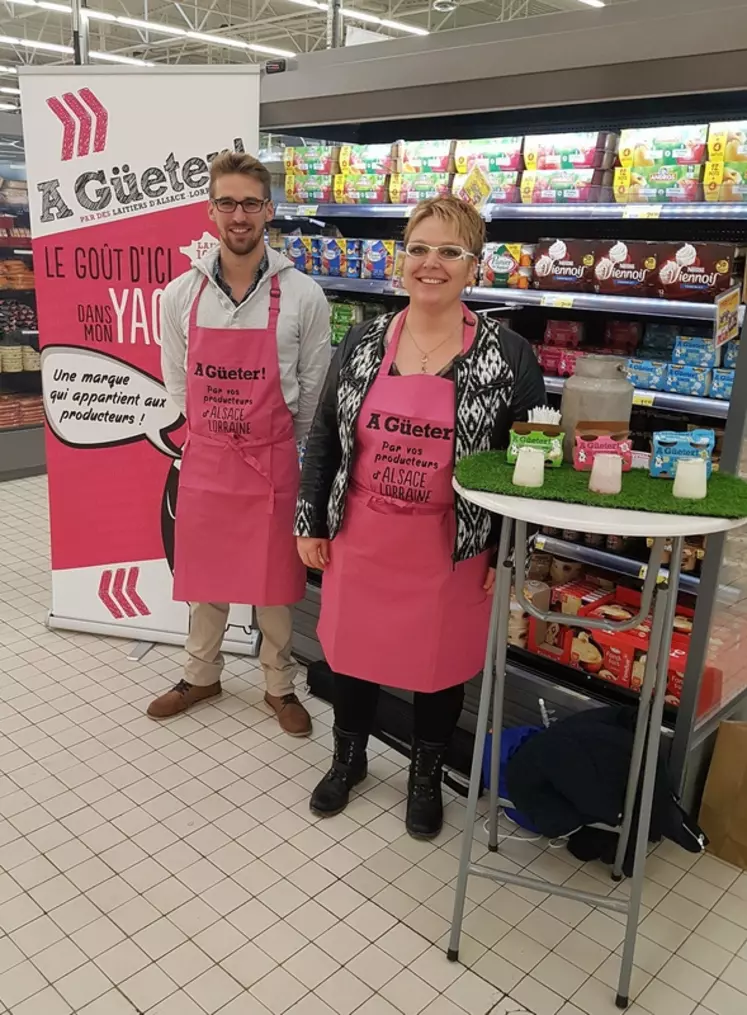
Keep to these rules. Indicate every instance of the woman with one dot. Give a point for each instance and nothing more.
(407, 575)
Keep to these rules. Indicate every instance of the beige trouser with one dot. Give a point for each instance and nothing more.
(206, 629)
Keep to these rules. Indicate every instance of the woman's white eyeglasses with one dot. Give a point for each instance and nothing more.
(444, 252)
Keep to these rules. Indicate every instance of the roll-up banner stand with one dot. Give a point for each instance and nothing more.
(118, 162)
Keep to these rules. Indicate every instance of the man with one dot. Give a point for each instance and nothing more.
(245, 350)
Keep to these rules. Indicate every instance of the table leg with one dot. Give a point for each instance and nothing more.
(639, 743)
(497, 636)
(666, 605)
(499, 692)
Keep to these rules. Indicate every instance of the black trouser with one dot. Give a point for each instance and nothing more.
(436, 715)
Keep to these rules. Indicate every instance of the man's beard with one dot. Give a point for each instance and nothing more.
(242, 245)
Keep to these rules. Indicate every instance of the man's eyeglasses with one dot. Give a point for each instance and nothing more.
(250, 205)
(445, 251)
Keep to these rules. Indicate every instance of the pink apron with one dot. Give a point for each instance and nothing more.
(239, 478)
(395, 608)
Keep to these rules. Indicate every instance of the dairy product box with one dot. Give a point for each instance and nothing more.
(659, 184)
(578, 150)
(494, 154)
(359, 189)
(727, 141)
(564, 334)
(568, 360)
(498, 187)
(658, 340)
(722, 383)
(725, 181)
(670, 446)
(308, 189)
(694, 271)
(507, 265)
(564, 265)
(417, 157)
(414, 187)
(624, 267)
(730, 353)
(340, 258)
(683, 380)
(680, 144)
(696, 351)
(565, 186)
(647, 373)
(549, 358)
(317, 160)
(621, 338)
(298, 250)
(368, 159)
(377, 258)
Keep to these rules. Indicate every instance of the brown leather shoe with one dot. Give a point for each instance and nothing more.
(292, 716)
(181, 697)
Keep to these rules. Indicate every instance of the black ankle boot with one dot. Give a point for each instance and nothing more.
(349, 767)
(425, 808)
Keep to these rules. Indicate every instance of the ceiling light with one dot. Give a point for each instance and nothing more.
(444, 6)
(132, 61)
(8, 70)
(48, 47)
(10, 91)
(6, 107)
(593, 3)
(369, 19)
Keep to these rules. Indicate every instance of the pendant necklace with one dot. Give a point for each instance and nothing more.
(424, 356)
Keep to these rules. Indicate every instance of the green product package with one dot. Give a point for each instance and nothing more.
(543, 437)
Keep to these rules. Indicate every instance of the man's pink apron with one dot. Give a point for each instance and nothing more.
(239, 478)
(395, 608)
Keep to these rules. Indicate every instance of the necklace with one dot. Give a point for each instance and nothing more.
(424, 356)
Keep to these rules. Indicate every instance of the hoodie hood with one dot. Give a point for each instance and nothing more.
(206, 264)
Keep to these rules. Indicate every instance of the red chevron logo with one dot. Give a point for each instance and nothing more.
(118, 592)
(83, 117)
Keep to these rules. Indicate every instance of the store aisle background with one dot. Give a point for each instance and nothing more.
(175, 869)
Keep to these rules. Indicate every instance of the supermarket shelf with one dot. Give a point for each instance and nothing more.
(623, 565)
(17, 292)
(638, 306)
(663, 400)
(702, 211)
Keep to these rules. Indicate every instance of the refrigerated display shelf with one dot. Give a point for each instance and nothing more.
(664, 400)
(624, 565)
(637, 306)
(701, 211)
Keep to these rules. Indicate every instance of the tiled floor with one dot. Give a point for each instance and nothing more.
(176, 870)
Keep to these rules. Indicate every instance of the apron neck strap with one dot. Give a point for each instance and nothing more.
(195, 304)
(470, 328)
(274, 302)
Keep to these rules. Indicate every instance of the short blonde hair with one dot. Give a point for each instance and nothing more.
(245, 165)
(462, 215)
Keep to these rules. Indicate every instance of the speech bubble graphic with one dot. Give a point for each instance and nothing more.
(93, 400)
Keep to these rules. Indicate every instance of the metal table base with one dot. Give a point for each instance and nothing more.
(644, 756)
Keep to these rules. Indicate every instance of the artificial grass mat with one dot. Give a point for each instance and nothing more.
(488, 471)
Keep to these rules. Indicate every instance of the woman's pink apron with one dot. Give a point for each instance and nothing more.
(239, 478)
(395, 608)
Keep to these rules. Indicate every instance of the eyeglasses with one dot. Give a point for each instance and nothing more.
(444, 252)
(250, 205)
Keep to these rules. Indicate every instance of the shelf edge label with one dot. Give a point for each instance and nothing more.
(556, 300)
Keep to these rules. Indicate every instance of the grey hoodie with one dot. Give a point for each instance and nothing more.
(303, 329)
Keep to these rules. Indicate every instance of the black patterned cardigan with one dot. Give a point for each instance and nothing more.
(495, 384)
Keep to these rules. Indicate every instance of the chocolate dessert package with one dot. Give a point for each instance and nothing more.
(564, 265)
(678, 145)
(577, 150)
(660, 184)
(625, 268)
(565, 186)
(694, 271)
(495, 154)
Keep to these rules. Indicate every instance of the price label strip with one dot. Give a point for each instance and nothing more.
(560, 300)
(642, 211)
(307, 211)
(646, 398)
(661, 579)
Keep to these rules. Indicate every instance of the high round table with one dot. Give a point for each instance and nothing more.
(517, 512)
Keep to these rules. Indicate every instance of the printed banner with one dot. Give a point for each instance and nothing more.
(118, 164)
